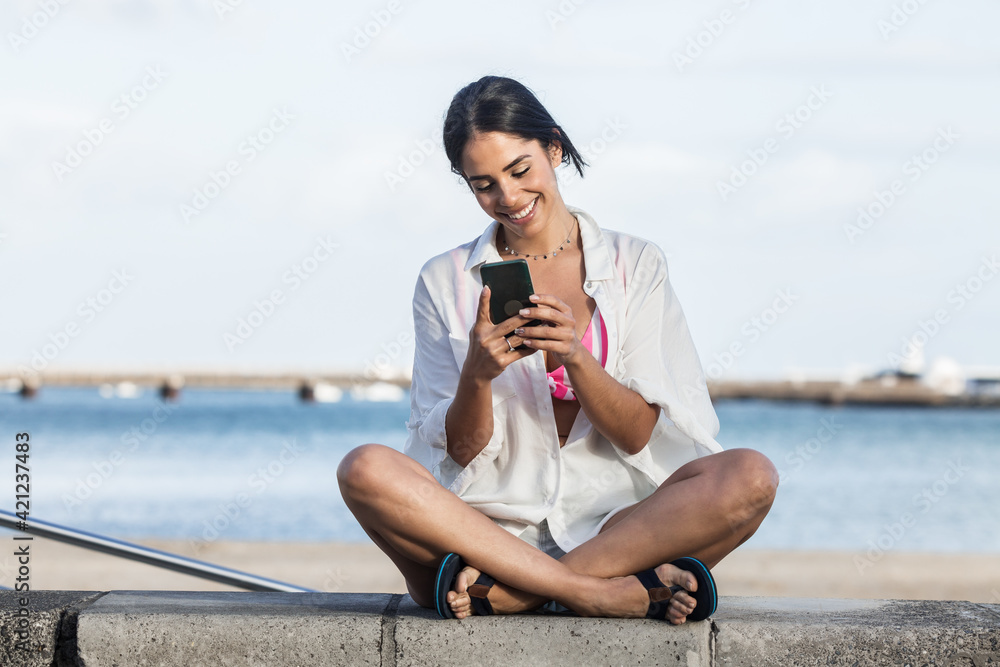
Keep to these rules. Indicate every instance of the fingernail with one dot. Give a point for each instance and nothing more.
(525, 311)
(533, 297)
(519, 332)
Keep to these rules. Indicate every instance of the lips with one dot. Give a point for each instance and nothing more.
(522, 214)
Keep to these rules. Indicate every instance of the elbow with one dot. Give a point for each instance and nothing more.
(637, 438)
(636, 441)
(460, 456)
(464, 448)
(633, 446)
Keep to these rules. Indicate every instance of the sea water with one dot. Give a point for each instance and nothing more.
(246, 465)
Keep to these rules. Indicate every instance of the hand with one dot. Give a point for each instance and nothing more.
(558, 335)
(489, 354)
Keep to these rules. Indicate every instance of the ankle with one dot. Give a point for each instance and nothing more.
(507, 600)
(587, 595)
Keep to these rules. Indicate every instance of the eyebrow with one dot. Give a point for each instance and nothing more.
(509, 166)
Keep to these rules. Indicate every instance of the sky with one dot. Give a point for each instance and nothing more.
(255, 185)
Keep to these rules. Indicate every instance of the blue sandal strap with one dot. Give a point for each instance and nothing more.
(707, 595)
(450, 565)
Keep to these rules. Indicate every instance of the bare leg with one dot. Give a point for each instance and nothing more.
(416, 521)
(705, 509)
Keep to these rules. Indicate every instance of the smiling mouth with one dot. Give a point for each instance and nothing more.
(524, 211)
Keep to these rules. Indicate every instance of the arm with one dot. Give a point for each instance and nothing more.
(618, 413)
(469, 422)
(435, 375)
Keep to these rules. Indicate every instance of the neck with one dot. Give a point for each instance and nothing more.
(554, 235)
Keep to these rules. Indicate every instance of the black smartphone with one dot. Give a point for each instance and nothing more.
(510, 287)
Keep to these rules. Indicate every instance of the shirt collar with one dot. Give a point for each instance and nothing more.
(485, 249)
(596, 257)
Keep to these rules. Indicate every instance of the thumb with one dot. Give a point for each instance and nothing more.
(484, 306)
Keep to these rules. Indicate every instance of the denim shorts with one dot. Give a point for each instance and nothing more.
(541, 537)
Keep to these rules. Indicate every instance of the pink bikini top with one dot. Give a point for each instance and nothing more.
(596, 343)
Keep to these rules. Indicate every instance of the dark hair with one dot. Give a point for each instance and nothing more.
(499, 104)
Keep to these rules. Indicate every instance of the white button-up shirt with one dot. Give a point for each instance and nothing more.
(522, 476)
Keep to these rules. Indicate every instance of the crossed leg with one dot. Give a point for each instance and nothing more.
(705, 509)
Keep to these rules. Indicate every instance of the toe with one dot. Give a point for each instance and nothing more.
(462, 610)
(466, 578)
(671, 575)
(459, 599)
(683, 602)
(679, 607)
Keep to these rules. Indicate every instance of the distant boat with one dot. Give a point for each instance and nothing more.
(120, 390)
(327, 393)
(379, 391)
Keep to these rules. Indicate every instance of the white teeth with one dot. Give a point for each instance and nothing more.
(524, 211)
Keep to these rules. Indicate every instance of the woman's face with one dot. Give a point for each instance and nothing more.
(514, 180)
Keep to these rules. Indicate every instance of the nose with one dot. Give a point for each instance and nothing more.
(508, 193)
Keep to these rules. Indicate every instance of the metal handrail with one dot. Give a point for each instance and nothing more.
(137, 552)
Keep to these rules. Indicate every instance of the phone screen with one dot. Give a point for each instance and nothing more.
(510, 286)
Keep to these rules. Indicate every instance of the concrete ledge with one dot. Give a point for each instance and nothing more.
(421, 638)
(793, 631)
(217, 628)
(222, 628)
(32, 637)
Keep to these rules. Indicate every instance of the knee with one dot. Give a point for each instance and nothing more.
(754, 482)
(759, 478)
(363, 468)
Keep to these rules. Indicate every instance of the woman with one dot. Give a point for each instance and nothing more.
(559, 459)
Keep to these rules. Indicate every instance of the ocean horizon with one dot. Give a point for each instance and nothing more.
(260, 465)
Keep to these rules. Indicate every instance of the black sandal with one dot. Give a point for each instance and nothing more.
(447, 572)
(706, 597)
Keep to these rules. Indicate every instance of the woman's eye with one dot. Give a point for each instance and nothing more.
(484, 188)
(521, 173)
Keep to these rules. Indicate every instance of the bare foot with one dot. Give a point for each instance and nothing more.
(502, 598)
(626, 597)
(459, 599)
(621, 597)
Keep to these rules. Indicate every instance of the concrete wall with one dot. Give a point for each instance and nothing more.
(136, 628)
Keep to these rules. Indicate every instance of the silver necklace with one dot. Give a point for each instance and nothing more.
(555, 252)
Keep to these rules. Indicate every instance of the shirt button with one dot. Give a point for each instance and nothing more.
(555, 455)
(589, 284)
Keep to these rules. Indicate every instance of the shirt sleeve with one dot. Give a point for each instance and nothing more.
(433, 384)
(436, 372)
(660, 363)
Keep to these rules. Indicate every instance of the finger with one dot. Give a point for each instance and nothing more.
(544, 332)
(511, 323)
(550, 300)
(483, 314)
(548, 314)
(559, 347)
(522, 353)
(509, 356)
